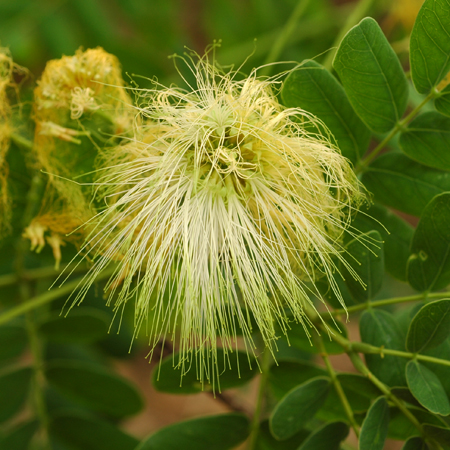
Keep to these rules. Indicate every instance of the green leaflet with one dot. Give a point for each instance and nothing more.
(374, 429)
(427, 389)
(220, 432)
(429, 263)
(399, 182)
(314, 89)
(430, 45)
(430, 327)
(427, 140)
(372, 76)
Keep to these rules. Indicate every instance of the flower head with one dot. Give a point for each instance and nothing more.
(221, 212)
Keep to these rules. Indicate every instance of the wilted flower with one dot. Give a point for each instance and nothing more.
(223, 211)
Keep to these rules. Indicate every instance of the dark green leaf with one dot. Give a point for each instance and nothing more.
(401, 428)
(14, 388)
(379, 328)
(327, 293)
(415, 443)
(399, 182)
(372, 76)
(442, 103)
(328, 437)
(427, 389)
(365, 256)
(403, 393)
(235, 369)
(429, 263)
(394, 231)
(288, 374)
(83, 432)
(219, 432)
(427, 140)
(315, 90)
(374, 429)
(441, 371)
(13, 341)
(440, 434)
(20, 437)
(430, 45)
(267, 442)
(94, 387)
(430, 327)
(80, 326)
(298, 407)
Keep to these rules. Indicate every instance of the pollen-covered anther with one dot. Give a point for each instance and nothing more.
(66, 134)
(82, 100)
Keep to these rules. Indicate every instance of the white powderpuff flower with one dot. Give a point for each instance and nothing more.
(222, 212)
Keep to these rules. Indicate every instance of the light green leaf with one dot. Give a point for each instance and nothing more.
(374, 429)
(395, 232)
(430, 45)
(429, 263)
(80, 326)
(13, 341)
(415, 443)
(235, 369)
(427, 140)
(83, 432)
(372, 76)
(221, 432)
(316, 90)
(401, 183)
(430, 327)
(427, 389)
(298, 407)
(14, 388)
(379, 328)
(365, 256)
(94, 387)
(328, 437)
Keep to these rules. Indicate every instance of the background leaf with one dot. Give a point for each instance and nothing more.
(430, 45)
(365, 256)
(316, 90)
(298, 407)
(94, 387)
(429, 263)
(374, 429)
(13, 341)
(83, 432)
(221, 432)
(427, 389)
(403, 184)
(372, 76)
(415, 443)
(395, 233)
(19, 438)
(235, 369)
(14, 388)
(430, 327)
(427, 140)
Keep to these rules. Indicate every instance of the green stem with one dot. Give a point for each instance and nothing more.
(398, 127)
(357, 14)
(254, 427)
(362, 347)
(284, 36)
(49, 296)
(337, 385)
(385, 302)
(361, 367)
(20, 141)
